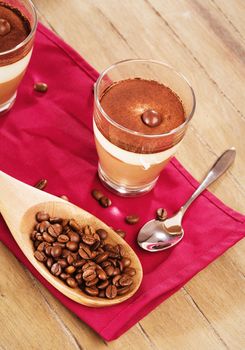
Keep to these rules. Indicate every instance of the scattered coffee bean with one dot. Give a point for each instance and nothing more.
(81, 258)
(97, 194)
(132, 219)
(161, 214)
(105, 202)
(64, 197)
(40, 87)
(121, 233)
(41, 184)
(151, 118)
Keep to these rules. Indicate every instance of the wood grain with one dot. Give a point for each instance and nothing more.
(205, 41)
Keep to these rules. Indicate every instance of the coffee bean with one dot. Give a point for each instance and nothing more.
(71, 282)
(62, 245)
(65, 253)
(102, 293)
(74, 237)
(40, 87)
(41, 184)
(73, 246)
(64, 276)
(55, 220)
(63, 238)
(5, 27)
(123, 290)
(93, 291)
(49, 263)
(109, 270)
(101, 257)
(55, 230)
(88, 239)
(70, 259)
(92, 282)
(116, 271)
(121, 250)
(105, 202)
(116, 279)
(101, 274)
(125, 281)
(63, 263)
(48, 238)
(151, 118)
(70, 269)
(33, 235)
(111, 292)
(103, 285)
(41, 247)
(89, 274)
(56, 251)
(65, 222)
(48, 250)
(79, 263)
(102, 233)
(161, 214)
(132, 219)
(84, 252)
(79, 277)
(129, 271)
(121, 233)
(40, 256)
(43, 226)
(96, 245)
(74, 225)
(56, 269)
(42, 216)
(126, 262)
(64, 197)
(39, 237)
(88, 265)
(97, 194)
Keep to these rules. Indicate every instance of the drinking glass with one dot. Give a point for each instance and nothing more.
(13, 62)
(130, 162)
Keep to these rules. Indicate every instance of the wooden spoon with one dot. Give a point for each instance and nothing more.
(20, 202)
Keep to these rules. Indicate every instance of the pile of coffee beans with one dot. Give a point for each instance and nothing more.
(81, 257)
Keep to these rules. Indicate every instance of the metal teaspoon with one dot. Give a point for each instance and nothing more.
(158, 235)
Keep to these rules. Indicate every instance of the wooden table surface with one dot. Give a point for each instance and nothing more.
(205, 41)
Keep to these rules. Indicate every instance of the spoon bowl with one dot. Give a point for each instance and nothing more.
(19, 204)
(158, 235)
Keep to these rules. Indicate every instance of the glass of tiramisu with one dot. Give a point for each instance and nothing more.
(141, 112)
(18, 21)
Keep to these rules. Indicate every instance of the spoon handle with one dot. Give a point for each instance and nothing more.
(219, 167)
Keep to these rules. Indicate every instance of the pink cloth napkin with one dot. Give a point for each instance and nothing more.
(50, 136)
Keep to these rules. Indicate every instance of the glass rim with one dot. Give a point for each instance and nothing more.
(30, 35)
(137, 133)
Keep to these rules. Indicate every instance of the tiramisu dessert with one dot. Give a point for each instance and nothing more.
(15, 51)
(133, 129)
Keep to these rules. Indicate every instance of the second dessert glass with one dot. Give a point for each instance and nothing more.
(130, 162)
(13, 62)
